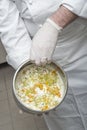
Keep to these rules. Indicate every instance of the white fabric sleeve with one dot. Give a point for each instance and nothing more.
(13, 34)
(78, 7)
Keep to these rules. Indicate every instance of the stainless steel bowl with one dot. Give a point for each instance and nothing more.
(21, 105)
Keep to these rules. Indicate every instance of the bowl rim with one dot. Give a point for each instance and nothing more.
(25, 108)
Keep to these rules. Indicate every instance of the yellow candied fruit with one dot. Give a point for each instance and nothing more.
(23, 90)
(54, 91)
(54, 72)
(39, 85)
(45, 108)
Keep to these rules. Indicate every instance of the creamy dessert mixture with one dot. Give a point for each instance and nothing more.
(39, 88)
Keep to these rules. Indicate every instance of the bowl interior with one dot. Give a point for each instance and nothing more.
(15, 80)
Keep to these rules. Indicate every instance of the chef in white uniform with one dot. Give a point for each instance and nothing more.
(59, 31)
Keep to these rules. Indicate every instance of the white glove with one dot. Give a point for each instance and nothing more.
(44, 42)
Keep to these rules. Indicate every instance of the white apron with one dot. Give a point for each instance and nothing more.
(71, 54)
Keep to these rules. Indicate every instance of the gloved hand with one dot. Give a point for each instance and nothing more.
(44, 42)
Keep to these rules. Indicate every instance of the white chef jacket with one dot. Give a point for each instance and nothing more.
(34, 14)
(70, 52)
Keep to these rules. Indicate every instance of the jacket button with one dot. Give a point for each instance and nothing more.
(40, 25)
(30, 2)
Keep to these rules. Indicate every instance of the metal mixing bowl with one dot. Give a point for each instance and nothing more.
(18, 101)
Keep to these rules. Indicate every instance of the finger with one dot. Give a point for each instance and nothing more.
(49, 60)
(38, 62)
(43, 61)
